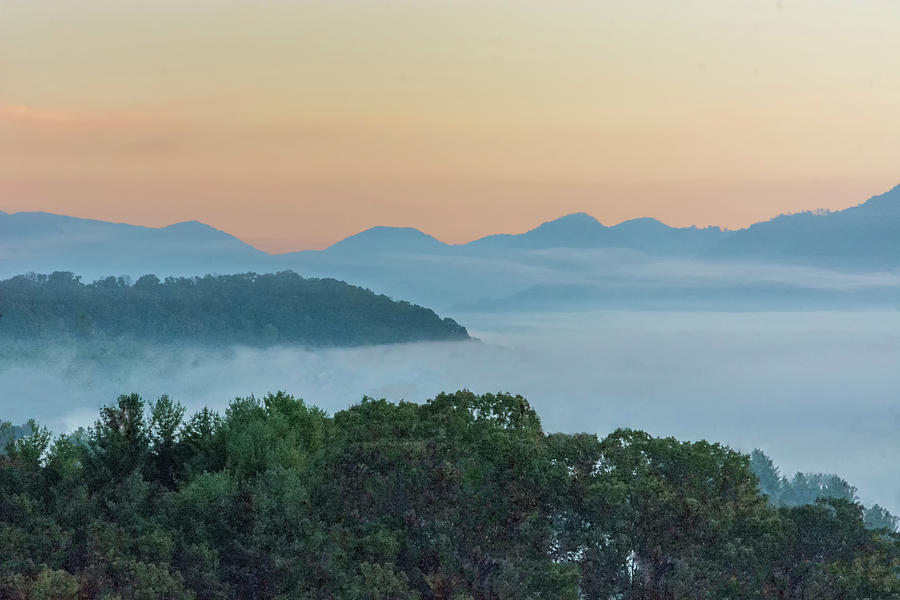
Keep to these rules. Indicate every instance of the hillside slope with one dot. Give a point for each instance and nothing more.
(864, 236)
(282, 308)
(45, 242)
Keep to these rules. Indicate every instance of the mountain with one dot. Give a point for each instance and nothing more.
(654, 237)
(572, 259)
(864, 236)
(386, 240)
(45, 242)
(580, 230)
(577, 230)
(247, 309)
(715, 295)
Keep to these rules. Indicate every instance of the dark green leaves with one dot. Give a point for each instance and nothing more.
(462, 497)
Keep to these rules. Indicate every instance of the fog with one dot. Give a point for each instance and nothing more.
(818, 391)
(610, 278)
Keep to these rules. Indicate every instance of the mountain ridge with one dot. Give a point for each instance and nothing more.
(864, 234)
(408, 263)
(577, 229)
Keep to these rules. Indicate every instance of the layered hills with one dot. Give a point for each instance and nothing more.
(816, 259)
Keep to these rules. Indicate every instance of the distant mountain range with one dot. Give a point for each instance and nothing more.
(863, 236)
(43, 242)
(574, 252)
(577, 230)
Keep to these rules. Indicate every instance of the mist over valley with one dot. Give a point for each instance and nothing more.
(660, 339)
(816, 390)
(449, 300)
(696, 333)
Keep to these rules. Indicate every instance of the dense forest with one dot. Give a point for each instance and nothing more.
(253, 309)
(807, 488)
(463, 497)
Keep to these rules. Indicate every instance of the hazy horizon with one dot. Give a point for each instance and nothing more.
(459, 119)
(815, 390)
(672, 227)
(378, 224)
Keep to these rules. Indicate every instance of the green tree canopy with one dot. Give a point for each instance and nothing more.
(461, 497)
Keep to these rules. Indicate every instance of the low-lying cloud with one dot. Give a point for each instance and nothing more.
(818, 391)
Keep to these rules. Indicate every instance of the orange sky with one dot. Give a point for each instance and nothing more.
(294, 124)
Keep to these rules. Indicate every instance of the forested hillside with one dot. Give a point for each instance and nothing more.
(806, 488)
(464, 497)
(281, 308)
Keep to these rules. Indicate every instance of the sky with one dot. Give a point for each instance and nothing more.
(295, 124)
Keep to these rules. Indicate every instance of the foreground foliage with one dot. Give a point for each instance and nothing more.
(461, 498)
(279, 308)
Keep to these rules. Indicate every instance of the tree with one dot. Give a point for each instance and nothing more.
(878, 518)
(685, 510)
(828, 553)
(119, 442)
(463, 497)
(771, 483)
(246, 308)
(164, 429)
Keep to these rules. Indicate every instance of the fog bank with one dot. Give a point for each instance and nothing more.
(818, 391)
